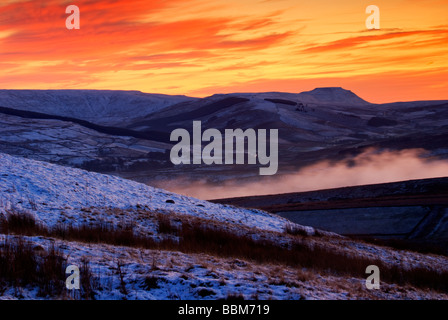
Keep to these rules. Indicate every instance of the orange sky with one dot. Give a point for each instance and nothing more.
(202, 47)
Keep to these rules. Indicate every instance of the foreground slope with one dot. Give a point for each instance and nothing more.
(54, 193)
(132, 241)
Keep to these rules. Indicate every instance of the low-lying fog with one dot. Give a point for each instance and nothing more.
(368, 168)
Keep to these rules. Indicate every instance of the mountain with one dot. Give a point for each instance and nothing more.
(103, 107)
(332, 95)
(131, 241)
(128, 133)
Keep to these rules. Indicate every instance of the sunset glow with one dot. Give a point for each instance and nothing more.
(199, 48)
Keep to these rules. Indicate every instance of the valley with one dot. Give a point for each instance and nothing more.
(333, 124)
(79, 185)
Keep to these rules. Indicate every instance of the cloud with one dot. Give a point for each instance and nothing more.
(202, 45)
(136, 36)
(108, 27)
(258, 43)
(351, 42)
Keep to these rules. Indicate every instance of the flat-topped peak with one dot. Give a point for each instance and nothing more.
(336, 95)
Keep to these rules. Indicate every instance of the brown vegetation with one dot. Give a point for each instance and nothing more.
(194, 236)
(22, 265)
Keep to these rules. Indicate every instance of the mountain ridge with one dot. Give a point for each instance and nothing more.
(333, 95)
(128, 133)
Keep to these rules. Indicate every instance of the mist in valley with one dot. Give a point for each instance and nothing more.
(370, 167)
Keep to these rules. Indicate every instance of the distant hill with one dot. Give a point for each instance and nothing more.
(414, 211)
(127, 132)
(332, 95)
(104, 107)
(134, 242)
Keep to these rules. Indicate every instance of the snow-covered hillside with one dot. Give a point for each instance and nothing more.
(325, 124)
(106, 107)
(57, 196)
(54, 192)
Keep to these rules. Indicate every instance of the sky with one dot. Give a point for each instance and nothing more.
(202, 47)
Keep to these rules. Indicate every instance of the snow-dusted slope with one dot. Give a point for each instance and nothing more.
(55, 193)
(104, 107)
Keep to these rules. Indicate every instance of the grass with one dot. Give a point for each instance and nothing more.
(23, 222)
(165, 226)
(196, 236)
(88, 282)
(21, 265)
(100, 233)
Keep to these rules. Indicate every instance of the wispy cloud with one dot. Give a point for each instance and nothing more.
(441, 36)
